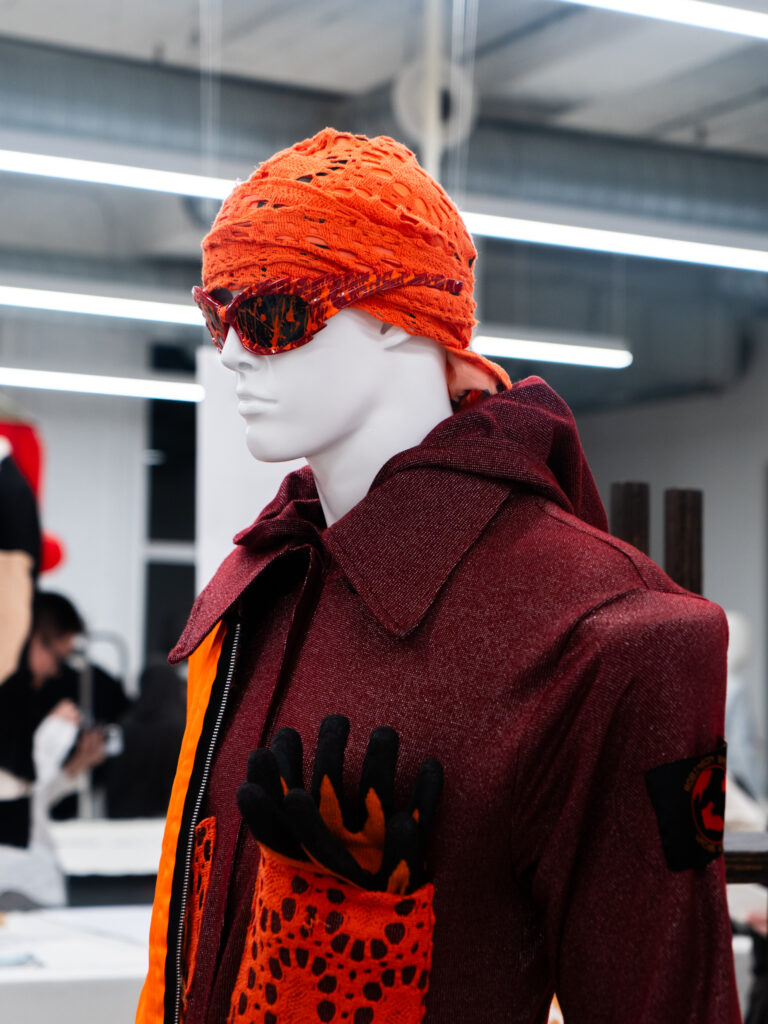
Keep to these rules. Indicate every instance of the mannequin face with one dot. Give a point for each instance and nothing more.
(305, 401)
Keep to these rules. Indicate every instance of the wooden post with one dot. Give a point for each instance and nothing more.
(683, 538)
(630, 514)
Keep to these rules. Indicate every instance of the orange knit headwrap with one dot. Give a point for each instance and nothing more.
(337, 203)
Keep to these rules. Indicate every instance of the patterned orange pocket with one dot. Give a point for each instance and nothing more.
(320, 949)
(205, 841)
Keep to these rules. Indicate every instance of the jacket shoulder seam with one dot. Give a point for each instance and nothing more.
(601, 538)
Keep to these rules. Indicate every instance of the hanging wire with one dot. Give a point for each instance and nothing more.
(210, 18)
(464, 19)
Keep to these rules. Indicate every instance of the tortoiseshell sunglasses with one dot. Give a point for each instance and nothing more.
(283, 313)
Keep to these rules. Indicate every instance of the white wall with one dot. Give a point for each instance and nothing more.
(93, 498)
(94, 479)
(716, 443)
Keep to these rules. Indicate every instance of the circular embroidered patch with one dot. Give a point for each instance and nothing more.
(708, 803)
(688, 797)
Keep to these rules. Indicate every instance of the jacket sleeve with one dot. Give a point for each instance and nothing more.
(620, 850)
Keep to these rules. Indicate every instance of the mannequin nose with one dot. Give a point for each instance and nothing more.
(233, 355)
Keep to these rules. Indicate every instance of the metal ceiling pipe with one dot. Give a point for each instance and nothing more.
(432, 143)
(619, 175)
(60, 92)
(48, 92)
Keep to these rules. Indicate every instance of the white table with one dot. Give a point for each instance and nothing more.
(100, 846)
(73, 966)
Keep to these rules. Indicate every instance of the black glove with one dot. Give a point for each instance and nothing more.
(364, 841)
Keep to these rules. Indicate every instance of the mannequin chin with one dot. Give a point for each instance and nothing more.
(301, 402)
(358, 393)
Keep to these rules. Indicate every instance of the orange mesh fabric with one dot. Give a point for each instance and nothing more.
(320, 949)
(205, 841)
(337, 203)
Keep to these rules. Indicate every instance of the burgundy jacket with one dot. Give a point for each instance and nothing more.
(474, 601)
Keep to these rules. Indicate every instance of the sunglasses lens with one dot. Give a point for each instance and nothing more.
(272, 322)
(217, 330)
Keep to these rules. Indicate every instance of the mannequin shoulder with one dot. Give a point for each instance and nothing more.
(537, 541)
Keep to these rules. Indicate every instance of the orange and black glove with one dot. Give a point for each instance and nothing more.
(342, 918)
(363, 840)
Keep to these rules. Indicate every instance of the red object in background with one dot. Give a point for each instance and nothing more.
(27, 451)
(52, 552)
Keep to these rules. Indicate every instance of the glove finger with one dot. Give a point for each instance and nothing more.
(289, 756)
(309, 829)
(263, 771)
(329, 756)
(426, 793)
(266, 821)
(379, 771)
(402, 866)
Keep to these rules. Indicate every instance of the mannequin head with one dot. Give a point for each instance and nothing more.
(383, 370)
(308, 401)
(739, 640)
(340, 204)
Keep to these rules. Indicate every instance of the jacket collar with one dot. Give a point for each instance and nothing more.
(396, 547)
(425, 509)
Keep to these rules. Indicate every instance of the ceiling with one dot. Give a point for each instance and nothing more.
(579, 111)
(537, 60)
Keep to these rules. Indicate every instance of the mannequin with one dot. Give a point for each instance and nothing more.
(747, 759)
(388, 391)
(438, 581)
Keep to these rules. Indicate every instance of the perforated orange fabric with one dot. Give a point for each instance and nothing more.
(337, 203)
(205, 841)
(203, 664)
(320, 949)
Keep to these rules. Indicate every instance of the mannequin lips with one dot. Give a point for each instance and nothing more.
(249, 404)
(245, 397)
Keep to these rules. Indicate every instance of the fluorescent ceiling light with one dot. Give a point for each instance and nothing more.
(98, 173)
(619, 242)
(101, 305)
(489, 225)
(689, 12)
(91, 384)
(554, 347)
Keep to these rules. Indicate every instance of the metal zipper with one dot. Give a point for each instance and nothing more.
(193, 821)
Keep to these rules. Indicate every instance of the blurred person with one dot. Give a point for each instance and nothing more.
(32, 876)
(27, 698)
(103, 701)
(24, 550)
(19, 560)
(139, 780)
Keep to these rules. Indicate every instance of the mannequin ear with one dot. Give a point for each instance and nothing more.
(391, 336)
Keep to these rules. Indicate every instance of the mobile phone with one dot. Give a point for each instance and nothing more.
(113, 740)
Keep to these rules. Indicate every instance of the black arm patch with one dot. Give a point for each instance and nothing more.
(688, 797)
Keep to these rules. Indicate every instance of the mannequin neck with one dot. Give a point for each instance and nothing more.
(411, 401)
